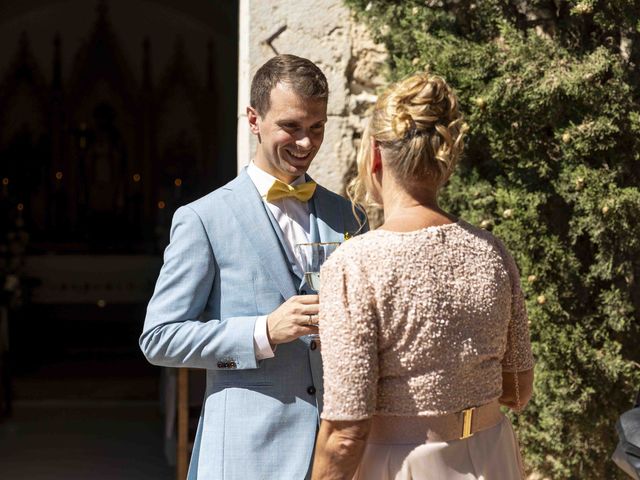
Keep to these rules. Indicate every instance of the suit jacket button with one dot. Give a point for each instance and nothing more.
(232, 364)
(220, 365)
(311, 390)
(313, 345)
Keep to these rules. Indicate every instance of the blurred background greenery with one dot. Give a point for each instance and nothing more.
(552, 166)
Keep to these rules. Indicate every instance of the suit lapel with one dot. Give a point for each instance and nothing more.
(326, 216)
(251, 213)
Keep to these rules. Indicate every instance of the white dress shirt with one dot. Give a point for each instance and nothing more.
(292, 216)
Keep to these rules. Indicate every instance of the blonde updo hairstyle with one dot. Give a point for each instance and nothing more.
(419, 130)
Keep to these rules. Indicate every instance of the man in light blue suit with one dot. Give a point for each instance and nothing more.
(230, 297)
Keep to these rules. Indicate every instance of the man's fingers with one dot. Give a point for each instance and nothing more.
(311, 309)
(304, 310)
(307, 299)
(308, 319)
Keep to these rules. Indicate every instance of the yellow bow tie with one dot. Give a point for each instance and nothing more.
(302, 192)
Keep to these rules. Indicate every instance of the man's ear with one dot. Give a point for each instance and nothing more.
(376, 157)
(252, 117)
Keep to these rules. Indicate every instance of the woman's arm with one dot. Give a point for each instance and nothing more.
(509, 398)
(339, 449)
(349, 334)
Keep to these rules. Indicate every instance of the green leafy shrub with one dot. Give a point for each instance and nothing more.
(552, 166)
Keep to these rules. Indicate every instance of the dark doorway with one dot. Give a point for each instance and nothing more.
(112, 115)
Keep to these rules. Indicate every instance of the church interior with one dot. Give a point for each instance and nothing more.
(113, 113)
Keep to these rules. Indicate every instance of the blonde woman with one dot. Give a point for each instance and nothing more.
(423, 324)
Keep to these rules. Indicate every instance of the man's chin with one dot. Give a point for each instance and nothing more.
(297, 168)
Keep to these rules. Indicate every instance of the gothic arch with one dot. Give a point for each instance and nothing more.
(179, 129)
(23, 95)
(24, 133)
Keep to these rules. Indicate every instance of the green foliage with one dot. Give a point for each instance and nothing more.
(552, 167)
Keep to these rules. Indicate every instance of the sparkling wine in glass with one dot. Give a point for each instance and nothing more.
(313, 255)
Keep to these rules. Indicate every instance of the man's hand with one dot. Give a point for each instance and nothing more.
(291, 319)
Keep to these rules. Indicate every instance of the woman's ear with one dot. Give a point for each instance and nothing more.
(376, 157)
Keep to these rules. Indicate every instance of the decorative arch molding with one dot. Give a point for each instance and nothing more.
(180, 123)
(101, 76)
(101, 59)
(118, 136)
(25, 147)
(23, 96)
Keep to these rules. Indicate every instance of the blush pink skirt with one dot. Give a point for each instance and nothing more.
(490, 454)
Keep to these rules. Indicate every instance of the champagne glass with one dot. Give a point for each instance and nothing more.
(313, 255)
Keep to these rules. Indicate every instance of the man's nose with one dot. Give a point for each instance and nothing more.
(304, 140)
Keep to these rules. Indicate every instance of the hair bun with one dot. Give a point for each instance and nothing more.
(434, 101)
(423, 103)
(403, 123)
(419, 128)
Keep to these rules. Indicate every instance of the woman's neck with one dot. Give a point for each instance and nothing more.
(407, 210)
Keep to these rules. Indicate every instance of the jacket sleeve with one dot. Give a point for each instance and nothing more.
(174, 334)
(518, 356)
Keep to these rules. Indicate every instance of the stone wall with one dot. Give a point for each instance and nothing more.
(324, 32)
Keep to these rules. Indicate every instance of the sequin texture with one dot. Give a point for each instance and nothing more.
(417, 323)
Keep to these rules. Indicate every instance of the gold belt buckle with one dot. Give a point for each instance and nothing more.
(467, 417)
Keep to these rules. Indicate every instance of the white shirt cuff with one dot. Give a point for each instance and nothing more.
(261, 339)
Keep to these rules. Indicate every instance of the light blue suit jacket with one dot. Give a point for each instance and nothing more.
(224, 267)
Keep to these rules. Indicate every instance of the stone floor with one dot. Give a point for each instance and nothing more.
(75, 440)
(87, 405)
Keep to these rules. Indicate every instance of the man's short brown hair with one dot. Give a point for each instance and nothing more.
(304, 76)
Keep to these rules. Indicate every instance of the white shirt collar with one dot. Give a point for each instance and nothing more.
(263, 180)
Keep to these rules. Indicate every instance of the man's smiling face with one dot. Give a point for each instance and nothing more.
(289, 134)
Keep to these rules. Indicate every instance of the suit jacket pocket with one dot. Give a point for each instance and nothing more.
(217, 379)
